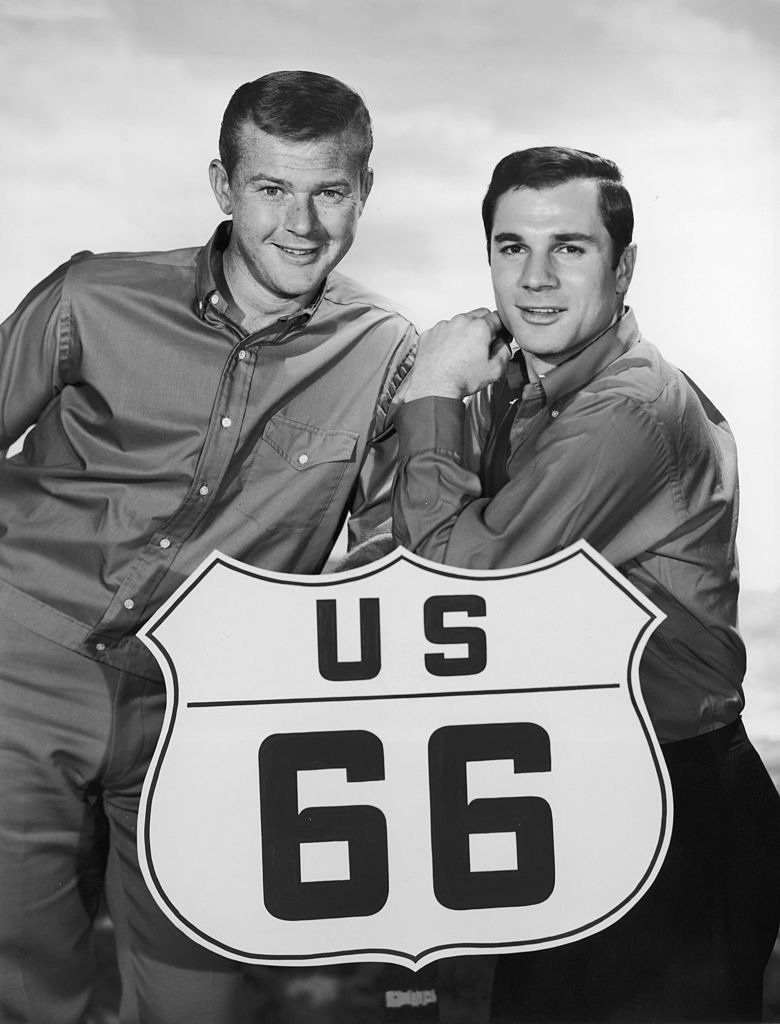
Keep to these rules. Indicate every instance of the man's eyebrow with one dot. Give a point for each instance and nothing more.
(575, 236)
(565, 236)
(267, 177)
(326, 183)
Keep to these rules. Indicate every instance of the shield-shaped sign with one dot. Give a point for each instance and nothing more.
(404, 761)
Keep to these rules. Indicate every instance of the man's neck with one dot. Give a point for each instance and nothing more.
(256, 307)
(539, 368)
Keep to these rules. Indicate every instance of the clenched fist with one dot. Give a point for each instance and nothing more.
(459, 356)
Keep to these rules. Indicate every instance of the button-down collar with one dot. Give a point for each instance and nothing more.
(205, 275)
(209, 292)
(574, 373)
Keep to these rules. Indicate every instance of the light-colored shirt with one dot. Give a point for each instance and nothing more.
(615, 446)
(162, 431)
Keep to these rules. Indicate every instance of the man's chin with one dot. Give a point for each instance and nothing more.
(295, 282)
(299, 286)
(541, 341)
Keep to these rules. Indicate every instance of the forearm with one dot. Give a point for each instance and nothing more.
(432, 486)
(570, 483)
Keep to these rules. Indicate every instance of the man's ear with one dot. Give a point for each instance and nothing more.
(220, 185)
(366, 184)
(625, 269)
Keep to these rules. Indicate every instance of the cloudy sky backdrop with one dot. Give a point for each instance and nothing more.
(110, 109)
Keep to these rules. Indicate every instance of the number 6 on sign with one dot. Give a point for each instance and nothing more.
(283, 828)
(454, 819)
(426, 785)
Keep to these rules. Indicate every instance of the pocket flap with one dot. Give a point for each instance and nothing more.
(303, 445)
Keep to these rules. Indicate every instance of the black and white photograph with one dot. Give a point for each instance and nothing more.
(389, 503)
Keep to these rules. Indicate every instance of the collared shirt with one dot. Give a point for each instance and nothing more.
(163, 431)
(615, 446)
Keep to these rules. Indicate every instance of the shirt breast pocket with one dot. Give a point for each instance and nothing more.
(294, 473)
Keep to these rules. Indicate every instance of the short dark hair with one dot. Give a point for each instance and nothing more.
(546, 166)
(297, 105)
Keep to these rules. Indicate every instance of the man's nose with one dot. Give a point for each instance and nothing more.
(301, 216)
(538, 272)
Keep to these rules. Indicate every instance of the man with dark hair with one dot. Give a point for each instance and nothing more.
(587, 432)
(224, 397)
(546, 166)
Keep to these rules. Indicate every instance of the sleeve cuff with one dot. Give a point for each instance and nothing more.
(431, 423)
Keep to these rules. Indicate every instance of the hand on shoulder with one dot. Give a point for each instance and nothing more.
(460, 356)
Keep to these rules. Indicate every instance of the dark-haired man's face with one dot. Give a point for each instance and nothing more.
(295, 208)
(551, 262)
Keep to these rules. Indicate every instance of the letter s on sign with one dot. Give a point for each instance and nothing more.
(433, 619)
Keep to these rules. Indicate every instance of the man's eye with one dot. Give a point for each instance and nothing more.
(511, 250)
(270, 191)
(571, 250)
(331, 195)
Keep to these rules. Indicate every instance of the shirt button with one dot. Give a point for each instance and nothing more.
(204, 490)
(165, 542)
(554, 413)
(100, 647)
(242, 354)
(129, 603)
(303, 459)
(227, 422)
(214, 298)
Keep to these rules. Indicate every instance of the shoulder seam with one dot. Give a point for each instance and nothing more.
(369, 303)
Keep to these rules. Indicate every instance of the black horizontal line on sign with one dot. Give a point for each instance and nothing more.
(396, 696)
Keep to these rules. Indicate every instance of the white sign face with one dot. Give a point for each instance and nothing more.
(402, 762)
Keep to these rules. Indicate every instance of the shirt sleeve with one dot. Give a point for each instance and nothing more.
(32, 359)
(370, 509)
(602, 473)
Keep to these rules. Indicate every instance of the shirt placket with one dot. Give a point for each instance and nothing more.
(528, 409)
(127, 610)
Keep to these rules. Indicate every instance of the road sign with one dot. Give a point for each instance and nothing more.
(402, 762)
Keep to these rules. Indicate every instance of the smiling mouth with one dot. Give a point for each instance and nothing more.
(298, 252)
(541, 316)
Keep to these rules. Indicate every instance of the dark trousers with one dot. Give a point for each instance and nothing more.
(695, 947)
(75, 742)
